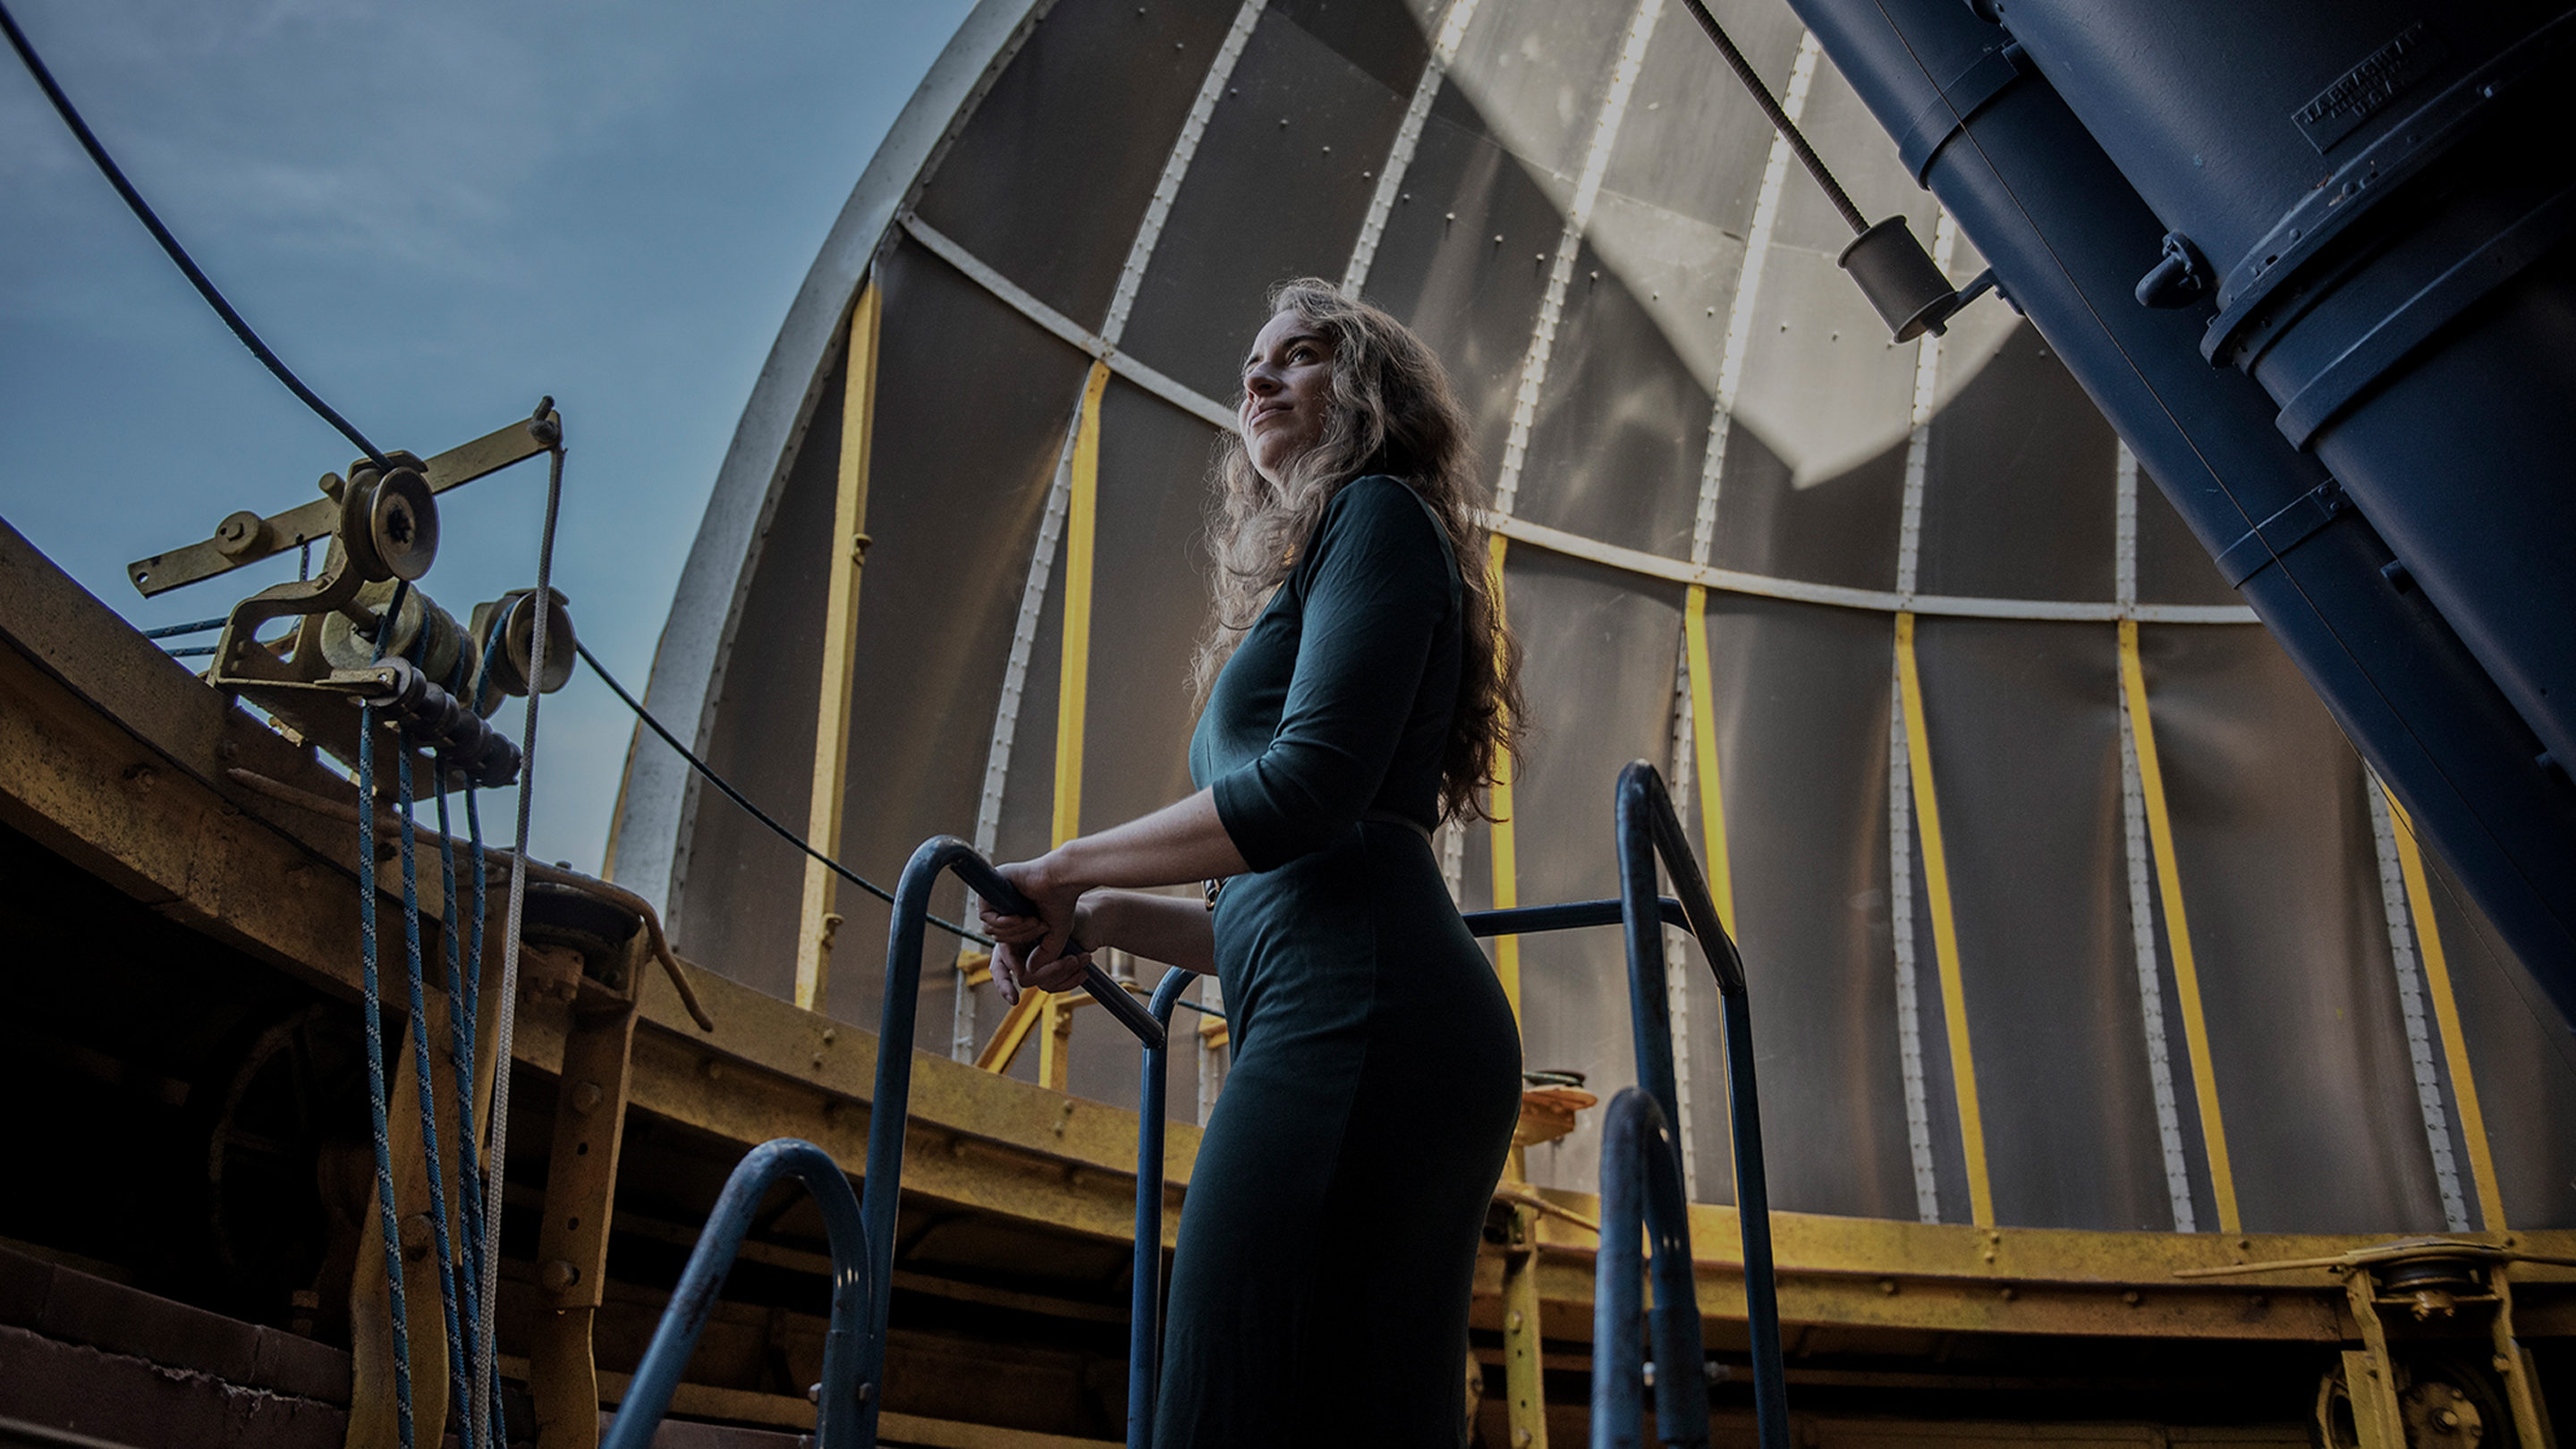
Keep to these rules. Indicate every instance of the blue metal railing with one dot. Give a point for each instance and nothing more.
(1641, 1180)
(847, 1389)
(1639, 1157)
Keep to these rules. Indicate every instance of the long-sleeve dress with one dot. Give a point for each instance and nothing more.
(1328, 1241)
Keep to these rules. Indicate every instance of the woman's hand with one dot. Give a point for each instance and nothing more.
(1045, 951)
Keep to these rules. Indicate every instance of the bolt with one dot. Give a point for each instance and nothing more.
(557, 1275)
(2010, 1294)
(814, 1395)
(587, 1096)
(2132, 1298)
(415, 1236)
(1512, 1320)
(1887, 1286)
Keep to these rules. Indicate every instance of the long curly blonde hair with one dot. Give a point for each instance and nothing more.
(1391, 411)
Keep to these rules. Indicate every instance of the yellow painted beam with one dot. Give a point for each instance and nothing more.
(1712, 802)
(1073, 683)
(840, 654)
(2195, 1020)
(2446, 1010)
(1945, 927)
(1507, 865)
(1003, 1047)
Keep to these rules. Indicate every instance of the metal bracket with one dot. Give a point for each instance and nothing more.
(2282, 532)
(245, 538)
(1948, 113)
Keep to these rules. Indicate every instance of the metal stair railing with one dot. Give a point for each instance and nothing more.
(891, 1104)
(1641, 1173)
(1639, 1160)
(846, 1390)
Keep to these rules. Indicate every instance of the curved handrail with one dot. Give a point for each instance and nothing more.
(891, 1105)
(1641, 1186)
(1145, 1300)
(1568, 916)
(845, 1390)
(1648, 829)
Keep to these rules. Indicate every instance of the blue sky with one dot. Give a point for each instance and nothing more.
(435, 214)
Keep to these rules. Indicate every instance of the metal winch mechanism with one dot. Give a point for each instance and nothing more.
(2439, 1363)
(362, 630)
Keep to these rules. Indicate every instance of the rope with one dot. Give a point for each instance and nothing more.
(179, 254)
(173, 631)
(551, 434)
(376, 1062)
(461, 1007)
(424, 1079)
(1780, 121)
(737, 797)
(487, 1382)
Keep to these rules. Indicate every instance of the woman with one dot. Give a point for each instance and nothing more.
(1358, 688)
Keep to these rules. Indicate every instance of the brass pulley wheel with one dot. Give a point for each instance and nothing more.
(389, 523)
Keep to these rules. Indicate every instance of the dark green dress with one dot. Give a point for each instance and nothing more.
(1328, 1241)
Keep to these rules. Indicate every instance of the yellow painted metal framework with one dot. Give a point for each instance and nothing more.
(1945, 927)
(1047, 1015)
(840, 653)
(2446, 1010)
(1712, 802)
(2195, 1020)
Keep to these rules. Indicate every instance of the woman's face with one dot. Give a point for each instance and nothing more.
(1287, 385)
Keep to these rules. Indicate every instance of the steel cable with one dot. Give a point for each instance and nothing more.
(737, 797)
(1779, 118)
(549, 432)
(170, 244)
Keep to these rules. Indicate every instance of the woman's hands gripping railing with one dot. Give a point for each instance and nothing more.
(892, 1103)
(848, 1391)
(1641, 1164)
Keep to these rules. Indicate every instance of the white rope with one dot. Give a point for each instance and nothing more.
(496, 1156)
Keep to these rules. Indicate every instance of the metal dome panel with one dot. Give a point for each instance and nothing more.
(1683, 405)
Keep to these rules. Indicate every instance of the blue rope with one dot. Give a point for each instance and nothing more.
(464, 989)
(461, 1024)
(424, 1080)
(376, 1064)
(499, 1427)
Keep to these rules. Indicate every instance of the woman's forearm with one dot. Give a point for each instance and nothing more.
(1181, 844)
(1174, 930)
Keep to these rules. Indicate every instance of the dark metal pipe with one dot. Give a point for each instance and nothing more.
(1642, 1197)
(2070, 237)
(1649, 828)
(847, 1387)
(1572, 915)
(891, 1105)
(1145, 1298)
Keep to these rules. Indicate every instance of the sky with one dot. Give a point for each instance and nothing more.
(436, 215)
